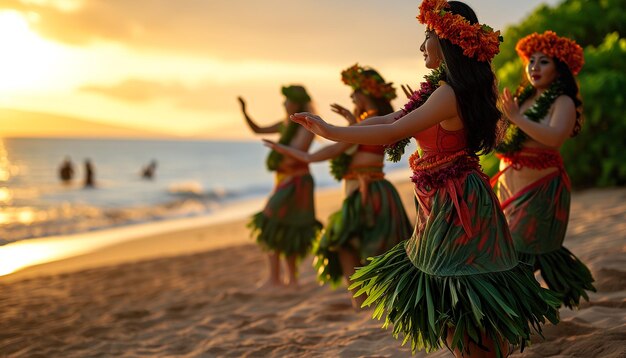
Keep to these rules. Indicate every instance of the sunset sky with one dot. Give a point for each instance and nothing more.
(177, 66)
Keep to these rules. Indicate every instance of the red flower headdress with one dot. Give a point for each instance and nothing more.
(477, 41)
(371, 85)
(548, 43)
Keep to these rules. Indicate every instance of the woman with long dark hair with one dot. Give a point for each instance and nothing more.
(457, 281)
(532, 185)
(372, 219)
(286, 226)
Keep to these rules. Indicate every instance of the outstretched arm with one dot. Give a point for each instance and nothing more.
(274, 128)
(441, 105)
(328, 152)
(386, 119)
(552, 134)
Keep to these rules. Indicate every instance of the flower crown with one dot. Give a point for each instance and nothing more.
(370, 84)
(548, 43)
(477, 41)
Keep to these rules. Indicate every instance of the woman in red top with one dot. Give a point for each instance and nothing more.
(533, 187)
(287, 225)
(457, 281)
(372, 219)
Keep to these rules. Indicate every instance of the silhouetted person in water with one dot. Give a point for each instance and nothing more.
(89, 174)
(148, 172)
(66, 170)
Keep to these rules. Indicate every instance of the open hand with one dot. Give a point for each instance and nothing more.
(344, 112)
(510, 106)
(312, 123)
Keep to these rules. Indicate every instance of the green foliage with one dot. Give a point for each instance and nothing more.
(586, 21)
(594, 157)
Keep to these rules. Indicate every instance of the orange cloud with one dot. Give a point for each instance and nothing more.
(138, 90)
(204, 97)
(268, 29)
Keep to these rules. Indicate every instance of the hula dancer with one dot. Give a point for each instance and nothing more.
(287, 225)
(457, 281)
(532, 185)
(372, 219)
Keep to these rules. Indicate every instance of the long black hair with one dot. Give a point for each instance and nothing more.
(474, 85)
(570, 89)
(383, 105)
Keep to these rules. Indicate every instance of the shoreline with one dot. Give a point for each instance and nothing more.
(130, 243)
(49, 249)
(66, 253)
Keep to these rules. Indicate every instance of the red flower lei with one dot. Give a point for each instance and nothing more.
(548, 43)
(418, 98)
(477, 41)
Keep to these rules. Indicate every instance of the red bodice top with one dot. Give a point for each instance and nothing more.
(374, 149)
(438, 140)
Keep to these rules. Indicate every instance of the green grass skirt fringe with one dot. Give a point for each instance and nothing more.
(368, 230)
(564, 274)
(499, 305)
(327, 265)
(288, 239)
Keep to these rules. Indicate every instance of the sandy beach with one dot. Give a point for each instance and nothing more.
(192, 293)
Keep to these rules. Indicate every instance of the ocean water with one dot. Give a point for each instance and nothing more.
(192, 178)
